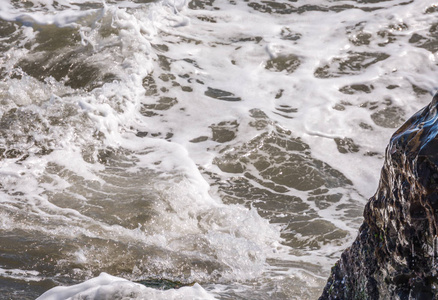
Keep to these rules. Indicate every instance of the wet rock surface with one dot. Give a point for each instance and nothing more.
(395, 253)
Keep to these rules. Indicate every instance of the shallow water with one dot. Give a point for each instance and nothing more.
(227, 143)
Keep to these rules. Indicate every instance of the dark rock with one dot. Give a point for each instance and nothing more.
(394, 254)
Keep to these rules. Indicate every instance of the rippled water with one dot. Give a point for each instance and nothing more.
(232, 144)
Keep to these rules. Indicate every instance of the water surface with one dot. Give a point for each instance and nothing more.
(231, 144)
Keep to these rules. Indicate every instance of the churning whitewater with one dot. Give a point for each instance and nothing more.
(213, 149)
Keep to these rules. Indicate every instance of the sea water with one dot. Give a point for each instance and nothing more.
(203, 149)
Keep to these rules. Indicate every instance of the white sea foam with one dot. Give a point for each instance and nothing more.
(110, 287)
(119, 162)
